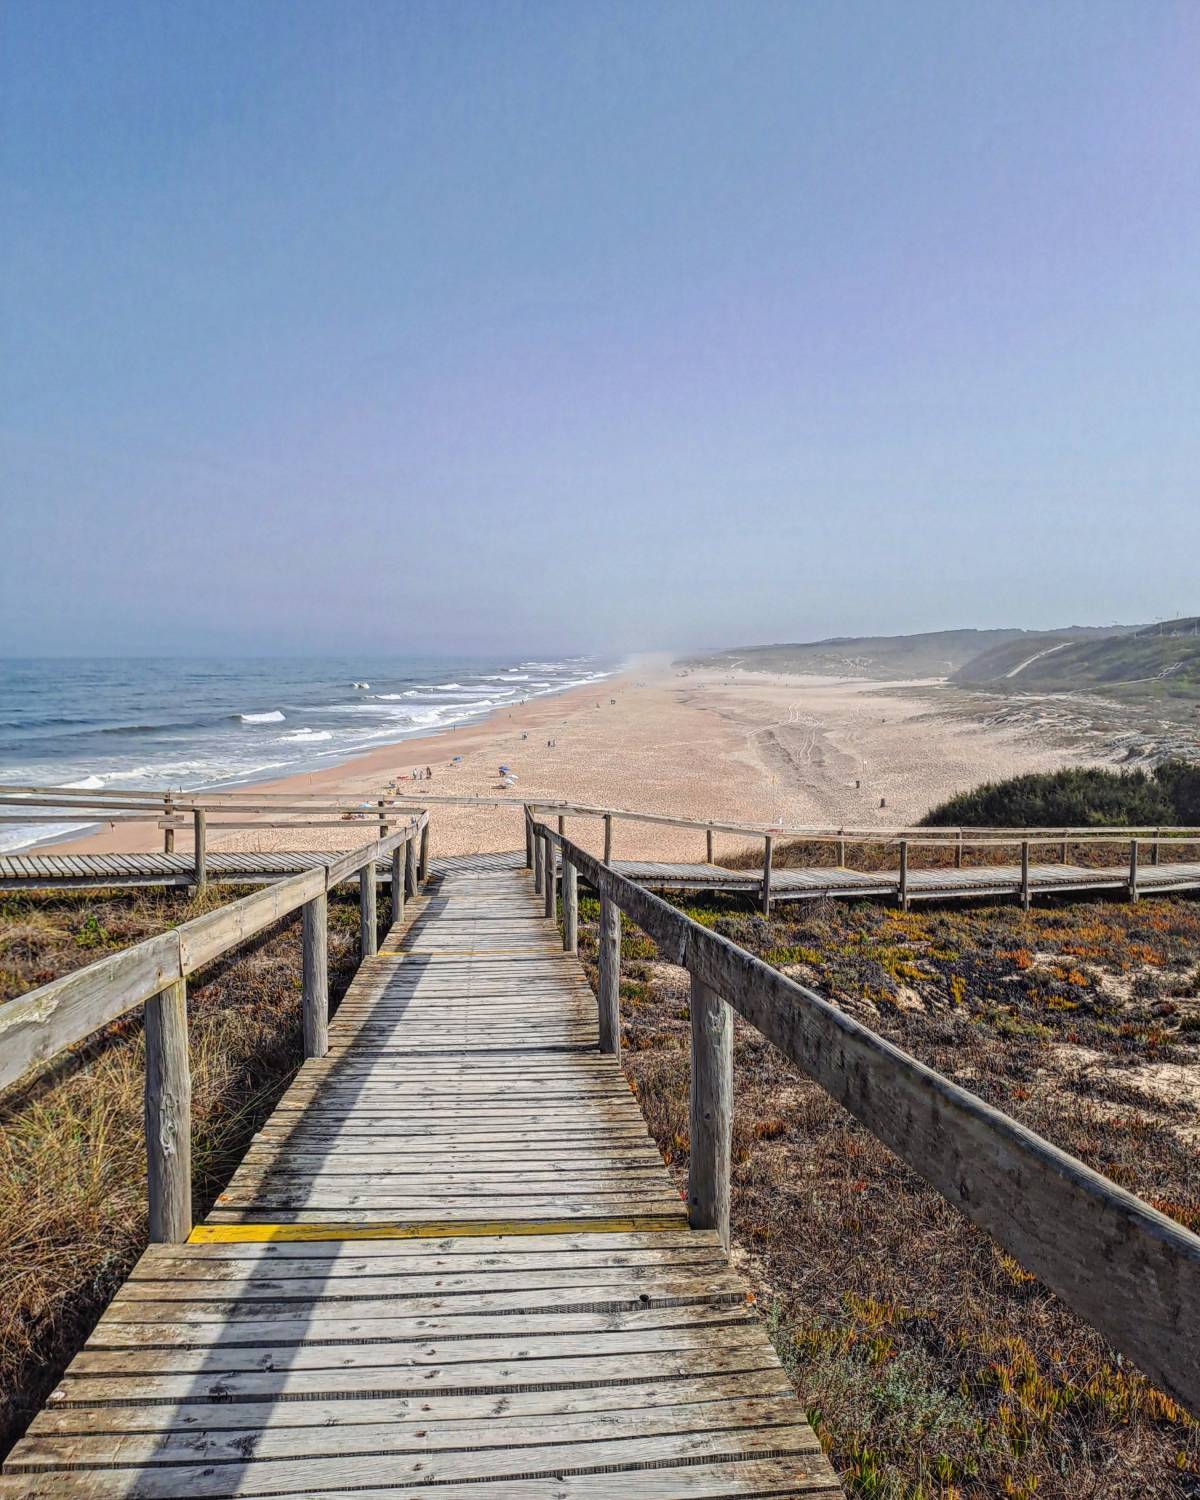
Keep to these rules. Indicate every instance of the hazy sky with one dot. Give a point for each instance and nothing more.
(338, 325)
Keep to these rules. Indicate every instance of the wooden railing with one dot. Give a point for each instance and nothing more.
(204, 813)
(36, 1026)
(1022, 841)
(1133, 1273)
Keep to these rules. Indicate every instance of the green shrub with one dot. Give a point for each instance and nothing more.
(1077, 797)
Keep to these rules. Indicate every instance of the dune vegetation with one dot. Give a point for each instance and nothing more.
(72, 1153)
(930, 1363)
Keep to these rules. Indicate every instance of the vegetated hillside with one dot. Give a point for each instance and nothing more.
(1153, 662)
(1078, 797)
(936, 653)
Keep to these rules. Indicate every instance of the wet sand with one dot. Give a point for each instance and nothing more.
(744, 747)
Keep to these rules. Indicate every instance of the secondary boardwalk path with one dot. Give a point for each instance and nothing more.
(452, 1263)
(39, 871)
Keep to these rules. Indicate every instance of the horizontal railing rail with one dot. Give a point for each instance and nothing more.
(37, 1026)
(1130, 1271)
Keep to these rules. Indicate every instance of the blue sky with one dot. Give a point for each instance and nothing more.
(453, 325)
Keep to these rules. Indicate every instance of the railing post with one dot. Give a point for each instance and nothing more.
(423, 858)
(383, 828)
(768, 845)
(708, 846)
(710, 1111)
(528, 841)
(548, 875)
(1133, 869)
(410, 867)
(1065, 851)
(609, 994)
(368, 930)
(958, 850)
(841, 854)
(1154, 847)
(570, 904)
(315, 983)
(608, 838)
(1026, 898)
(398, 882)
(168, 1113)
(169, 833)
(539, 863)
(200, 840)
(903, 875)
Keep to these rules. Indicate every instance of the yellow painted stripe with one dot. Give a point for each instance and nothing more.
(243, 1234)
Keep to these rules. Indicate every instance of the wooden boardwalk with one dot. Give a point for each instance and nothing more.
(452, 1262)
(45, 871)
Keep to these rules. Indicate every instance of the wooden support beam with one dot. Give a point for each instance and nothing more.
(708, 845)
(169, 833)
(710, 1111)
(168, 1113)
(368, 919)
(200, 840)
(768, 846)
(841, 855)
(539, 863)
(1133, 869)
(549, 876)
(528, 842)
(609, 993)
(958, 850)
(315, 982)
(903, 874)
(1026, 897)
(410, 867)
(398, 882)
(383, 824)
(1154, 847)
(570, 905)
(423, 858)
(608, 838)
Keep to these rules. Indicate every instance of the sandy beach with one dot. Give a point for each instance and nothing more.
(705, 744)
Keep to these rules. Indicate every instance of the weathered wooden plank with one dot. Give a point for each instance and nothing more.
(36, 1026)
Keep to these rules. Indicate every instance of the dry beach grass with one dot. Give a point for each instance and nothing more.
(72, 1154)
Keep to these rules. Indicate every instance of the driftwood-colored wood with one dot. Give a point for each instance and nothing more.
(570, 907)
(397, 883)
(710, 1110)
(539, 863)
(411, 884)
(1026, 897)
(368, 914)
(549, 877)
(1129, 1270)
(38, 1025)
(168, 1115)
(768, 845)
(608, 837)
(315, 981)
(609, 989)
(200, 846)
(169, 831)
(903, 888)
(1133, 869)
(423, 858)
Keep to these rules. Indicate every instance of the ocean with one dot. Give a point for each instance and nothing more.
(206, 724)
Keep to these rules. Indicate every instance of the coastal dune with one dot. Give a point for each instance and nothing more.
(696, 743)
